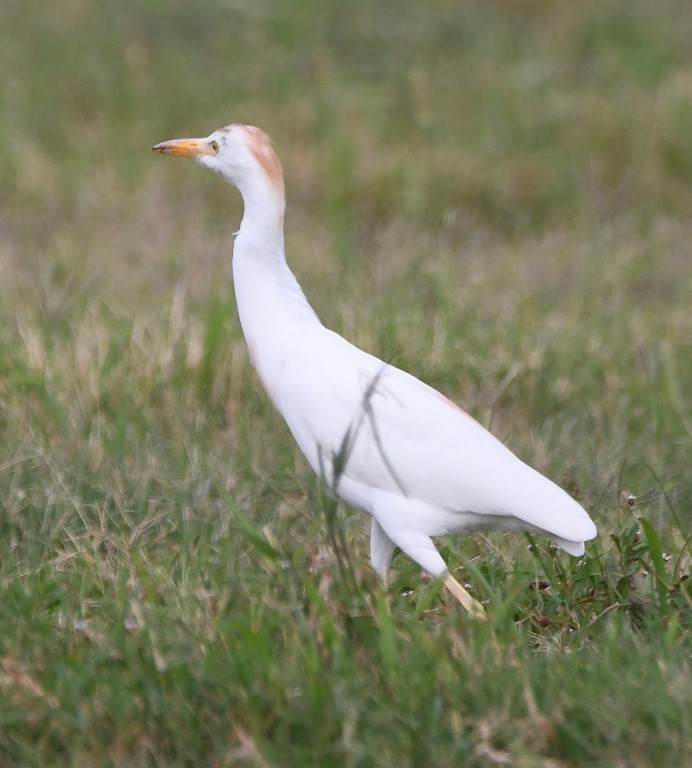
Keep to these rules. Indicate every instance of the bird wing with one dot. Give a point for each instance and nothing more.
(377, 425)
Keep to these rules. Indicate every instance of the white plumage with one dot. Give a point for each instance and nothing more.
(388, 444)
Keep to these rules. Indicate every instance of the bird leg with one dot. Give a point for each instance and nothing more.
(474, 608)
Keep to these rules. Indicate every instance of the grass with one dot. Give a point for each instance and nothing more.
(497, 198)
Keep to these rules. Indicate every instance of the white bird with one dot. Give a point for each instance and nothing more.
(386, 443)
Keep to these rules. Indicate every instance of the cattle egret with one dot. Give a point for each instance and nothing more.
(384, 441)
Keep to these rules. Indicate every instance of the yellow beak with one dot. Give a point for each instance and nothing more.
(194, 148)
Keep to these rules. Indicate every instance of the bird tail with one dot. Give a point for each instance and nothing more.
(575, 548)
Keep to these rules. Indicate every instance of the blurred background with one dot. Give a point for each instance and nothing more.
(505, 119)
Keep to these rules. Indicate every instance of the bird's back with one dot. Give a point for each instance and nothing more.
(390, 432)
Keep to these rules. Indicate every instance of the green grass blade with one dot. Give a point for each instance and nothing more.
(656, 554)
(247, 528)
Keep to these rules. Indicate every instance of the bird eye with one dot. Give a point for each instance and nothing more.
(215, 146)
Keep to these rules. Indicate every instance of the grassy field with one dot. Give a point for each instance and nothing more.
(497, 197)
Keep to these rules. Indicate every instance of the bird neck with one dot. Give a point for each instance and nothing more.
(273, 310)
(263, 218)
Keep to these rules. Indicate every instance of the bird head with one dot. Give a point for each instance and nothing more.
(242, 154)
